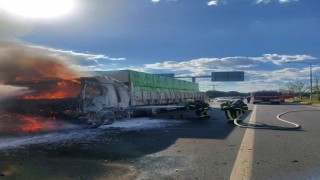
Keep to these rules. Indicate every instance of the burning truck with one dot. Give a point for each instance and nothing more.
(94, 100)
(99, 100)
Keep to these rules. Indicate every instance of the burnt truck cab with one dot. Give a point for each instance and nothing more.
(104, 100)
(96, 100)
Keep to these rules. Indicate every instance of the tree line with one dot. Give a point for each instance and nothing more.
(214, 94)
(301, 89)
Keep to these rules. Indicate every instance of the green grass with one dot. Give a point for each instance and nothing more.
(303, 101)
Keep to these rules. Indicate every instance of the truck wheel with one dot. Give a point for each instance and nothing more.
(108, 118)
(154, 111)
(94, 122)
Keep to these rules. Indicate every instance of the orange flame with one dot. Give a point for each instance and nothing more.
(25, 123)
(33, 124)
(61, 89)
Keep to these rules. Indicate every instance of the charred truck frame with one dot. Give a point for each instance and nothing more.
(102, 99)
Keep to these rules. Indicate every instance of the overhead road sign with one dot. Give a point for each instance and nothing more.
(227, 76)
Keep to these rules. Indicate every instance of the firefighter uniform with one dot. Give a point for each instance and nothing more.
(200, 107)
(234, 110)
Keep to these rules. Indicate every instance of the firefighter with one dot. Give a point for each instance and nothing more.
(248, 99)
(201, 108)
(234, 110)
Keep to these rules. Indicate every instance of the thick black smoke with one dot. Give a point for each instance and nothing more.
(20, 62)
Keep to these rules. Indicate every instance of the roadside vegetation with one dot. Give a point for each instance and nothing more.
(215, 94)
(303, 100)
(301, 91)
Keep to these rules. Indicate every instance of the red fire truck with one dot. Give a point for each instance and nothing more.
(272, 97)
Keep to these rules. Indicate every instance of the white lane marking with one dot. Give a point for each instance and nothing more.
(243, 164)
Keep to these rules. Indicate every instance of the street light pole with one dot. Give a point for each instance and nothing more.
(310, 64)
(310, 81)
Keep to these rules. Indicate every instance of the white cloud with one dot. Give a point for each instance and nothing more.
(155, 1)
(213, 3)
(78, 60)
(282, 59)
(77, 54)
(71, 53)
(158, 1)
(280, 1)
(204, 65)
(216, 2)
(287, 1)
(263, 1)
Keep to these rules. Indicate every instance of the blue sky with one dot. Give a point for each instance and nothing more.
(185, 37)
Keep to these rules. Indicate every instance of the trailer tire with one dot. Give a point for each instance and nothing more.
(154, 112)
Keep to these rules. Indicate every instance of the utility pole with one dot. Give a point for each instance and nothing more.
(310, 64)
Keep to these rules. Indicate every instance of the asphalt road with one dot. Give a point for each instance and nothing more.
(177, 146)
(287, 154)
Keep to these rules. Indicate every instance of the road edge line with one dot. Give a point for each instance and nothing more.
(243, 164)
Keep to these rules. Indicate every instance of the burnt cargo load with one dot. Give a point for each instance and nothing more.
(153, 89)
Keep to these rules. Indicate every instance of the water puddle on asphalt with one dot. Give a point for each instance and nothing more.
(21, 133)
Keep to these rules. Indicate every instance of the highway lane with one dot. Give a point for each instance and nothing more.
(281, 154)
(182, 148)
(187, 148)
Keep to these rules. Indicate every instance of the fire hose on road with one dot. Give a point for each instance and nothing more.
(265, 126)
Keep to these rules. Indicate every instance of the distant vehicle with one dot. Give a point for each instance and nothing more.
(266, 96)
(224, 99)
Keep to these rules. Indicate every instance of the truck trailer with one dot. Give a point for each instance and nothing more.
(154, 89)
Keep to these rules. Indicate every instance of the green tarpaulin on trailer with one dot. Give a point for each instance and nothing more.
(145, 81)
